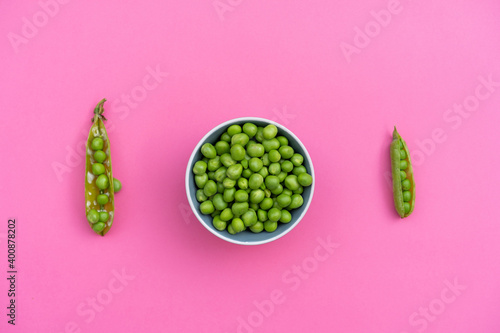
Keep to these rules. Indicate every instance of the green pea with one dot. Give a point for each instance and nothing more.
(256, 196)
(406, 184)
(274, 156)
(253, 206)
(285, 216)
(298, 170)
(226, 214)
(283, 140)
(274, 214)
(234, 129)
(220, 187)
(402, 154)
(211, 175)
(243, 183)
(214, 163)
(241, 196)
(199, 168)
(244, 163)
(281, 176)
(287, 192)
(407, 207)
(297, 159)
(207, 207)
(229, 183)
(287, 166)
(250, 129)
(305, 179)
(240, 138)
(255, 181)
(257, 227)
(274, 168)
(255, 150)
(98, 227)
(284, 200)
(222, 147)
(291, 182)
(259, 136)
(228, 194)
(297, 201)
(230, 230)
(208, 150)
(210, 188)
(201, 180)
(117, 185)
(218, 202)
(277, 190)
(225, 137)
(272, 144)
(286, 152)
(249, 218)
(200, 196)
(265, 159)
(102, 199)
(262, 215)
(97, 144)
(100, 156)
(102, 182)
(270, 226)
(246, 173)
(103, 216)
(218, 223)
(237, 152)
(266, 191)
(234, 171)
(266, 204)
(403, 175)
(227, 160)
(300, 190)
(272, 182)
(255, 164)
(269, 131)
(93, 216)
(406, 195)
(220, 174)
(98, 169)
(239, 208)
(403, 165)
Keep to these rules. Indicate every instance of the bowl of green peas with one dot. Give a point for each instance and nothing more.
(250, 181)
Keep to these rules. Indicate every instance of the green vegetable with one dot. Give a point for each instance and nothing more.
(99, 156)
(250, 179)
(403, 184)
(100, 186)
(117, 185)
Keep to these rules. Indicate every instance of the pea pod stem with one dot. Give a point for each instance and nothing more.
(99, 110)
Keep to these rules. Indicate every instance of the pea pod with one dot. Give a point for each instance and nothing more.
(403, 184)
(100, 213)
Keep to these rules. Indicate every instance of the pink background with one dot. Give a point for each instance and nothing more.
(436, 271)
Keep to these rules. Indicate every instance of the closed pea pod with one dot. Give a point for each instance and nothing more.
(99, 186)
(403, 184)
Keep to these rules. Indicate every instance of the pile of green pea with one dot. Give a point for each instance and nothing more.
(250, 179)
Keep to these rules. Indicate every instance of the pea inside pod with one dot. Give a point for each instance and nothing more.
(403, 183)
(100, 185)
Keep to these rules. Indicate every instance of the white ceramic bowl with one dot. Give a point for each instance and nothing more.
(247, 237)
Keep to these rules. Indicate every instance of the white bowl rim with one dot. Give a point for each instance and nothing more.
(198, 147)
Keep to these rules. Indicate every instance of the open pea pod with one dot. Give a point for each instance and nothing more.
(99, 187)
(403, 183)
